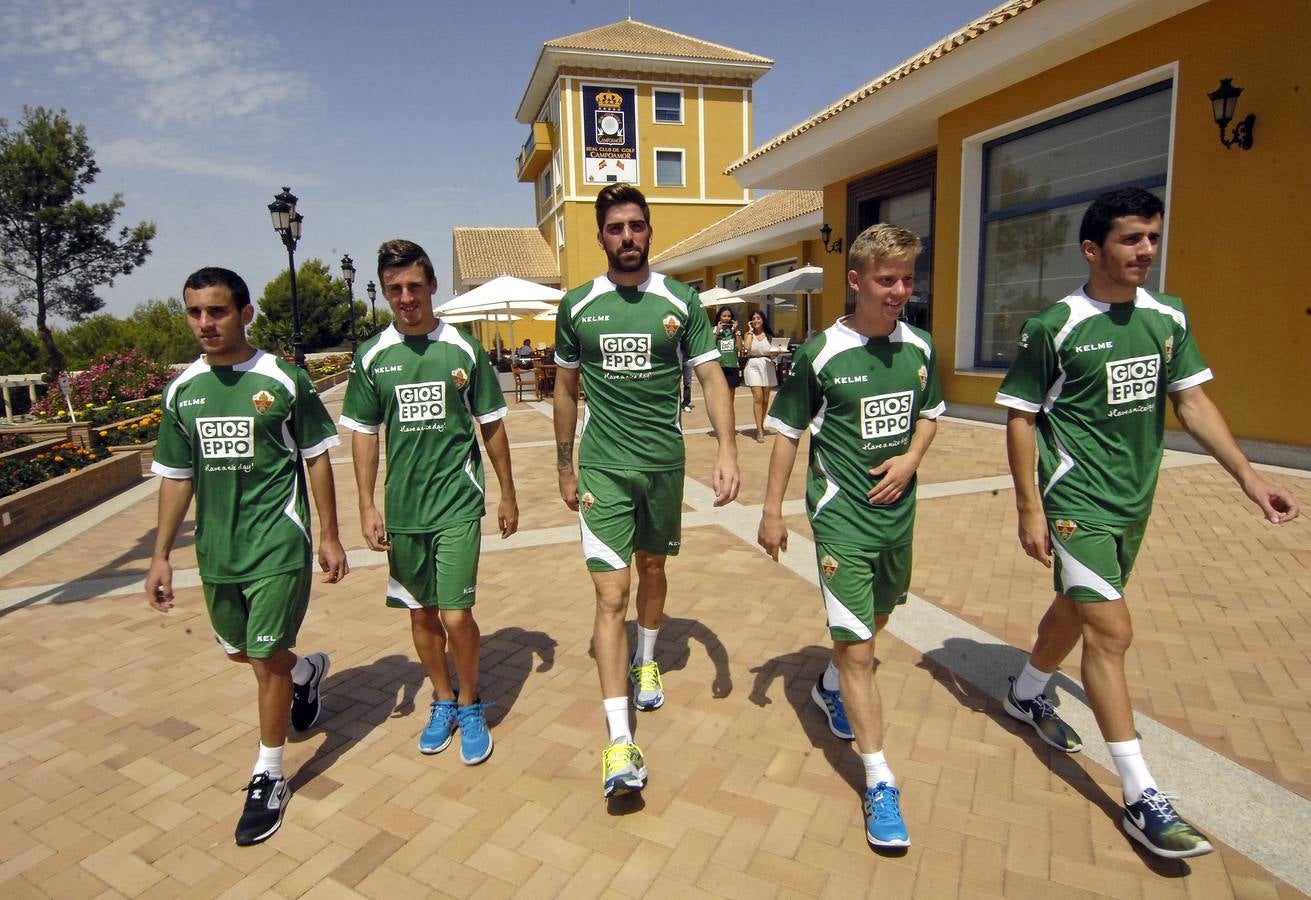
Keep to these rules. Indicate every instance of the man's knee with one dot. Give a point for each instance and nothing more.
(1107, 627)
(278, 665)
(426, 621)
(458, 622)
(649, 565)
(854, 654)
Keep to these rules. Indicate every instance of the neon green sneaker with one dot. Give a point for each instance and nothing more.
(648, 689)
(623, 769)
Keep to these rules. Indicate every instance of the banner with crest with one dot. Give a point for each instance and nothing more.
(609, 134)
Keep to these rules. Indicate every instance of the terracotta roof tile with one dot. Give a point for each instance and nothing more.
(630, 36)
(771, 209)
(980, 26)
(481, 254)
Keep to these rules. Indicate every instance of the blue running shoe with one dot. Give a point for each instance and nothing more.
(1152, 822)
(884, 826)
(831, 703)
(475, 739)
(441, 726)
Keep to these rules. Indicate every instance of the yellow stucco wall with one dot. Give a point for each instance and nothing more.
(1236, 219)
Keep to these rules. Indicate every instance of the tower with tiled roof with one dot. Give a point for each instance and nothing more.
(632, 102)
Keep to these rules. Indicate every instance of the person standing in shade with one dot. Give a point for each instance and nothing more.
(625, 332)
(759, 374)
(236, 425)
(867, 389)
(1090, 377)
(429, 384)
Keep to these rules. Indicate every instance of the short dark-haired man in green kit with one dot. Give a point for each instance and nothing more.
(625, 333)
(1090, 378)
(237, 422)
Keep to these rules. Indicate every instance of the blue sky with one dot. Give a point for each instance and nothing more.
(387, 119)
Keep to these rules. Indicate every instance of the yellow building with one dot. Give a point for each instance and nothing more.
(991, 143)
(624, 102)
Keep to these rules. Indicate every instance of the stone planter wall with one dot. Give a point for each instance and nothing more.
(145, 453)
(28, 512)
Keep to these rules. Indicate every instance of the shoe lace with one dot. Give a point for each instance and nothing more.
(1043, 708)
(648, 676)
(1159, 804)
(471, 718)
(617, 756)
(882, 802)
(441, 713)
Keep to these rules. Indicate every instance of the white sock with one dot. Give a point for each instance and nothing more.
(616, 719)
(831, 677)
(1129, 762)
(876, 770)
(270, 761)
(301, 672)
(1031, 682)
(646, 638)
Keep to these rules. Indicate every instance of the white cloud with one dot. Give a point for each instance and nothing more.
(168, 155)
(183, 63)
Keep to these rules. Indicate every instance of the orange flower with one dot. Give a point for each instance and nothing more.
(104, 434)
(59, 459)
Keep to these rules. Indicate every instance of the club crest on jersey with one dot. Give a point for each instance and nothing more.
(263, 401)
(1169, 348)
(460, 377)
(829, 566)
(586, 501)
(671, 325)
(924, 377)
(1065, 528)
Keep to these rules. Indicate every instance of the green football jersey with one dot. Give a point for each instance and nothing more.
(239, 433)
(1096, 374)
(428, 390)
(861, 397)
(727, 345)
(629, 342)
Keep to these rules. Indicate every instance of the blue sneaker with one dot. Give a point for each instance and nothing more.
(1152, 822)
(475, 739)
(884, 826)
(441, 726)
(831, 703)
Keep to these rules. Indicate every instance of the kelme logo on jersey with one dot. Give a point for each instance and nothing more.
(262, 401)
(226, 437)
(586, 501)
(626, 352)
(829, 566)
(886, 414)
(1131, 380)
(671, 324)
(460, 377)
(421, 402)
(1065, 528)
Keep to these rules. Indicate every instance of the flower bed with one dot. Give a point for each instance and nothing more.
(27, 512)
(143, 430)
(18, 473)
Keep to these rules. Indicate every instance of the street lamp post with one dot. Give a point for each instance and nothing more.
(372, 291)
(348, 273)
(286, 222)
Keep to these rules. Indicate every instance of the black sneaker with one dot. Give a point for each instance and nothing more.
(305, 700)
(1153, 822)
(1040, 713)
(266, 801)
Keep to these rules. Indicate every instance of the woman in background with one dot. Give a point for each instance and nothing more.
(759, 373)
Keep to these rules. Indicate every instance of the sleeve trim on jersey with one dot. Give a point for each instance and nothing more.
(566, 363)
(169, 472)
(362, 427)
(492, 416)
(321, 447)
(1017, 403)
(1191, 381)
(934, 412)
(784, 428)
(705, 357)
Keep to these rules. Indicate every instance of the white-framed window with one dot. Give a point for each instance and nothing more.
(668, 105)
(730, 281)
(559, 231)
(1031, 187)
(668, 167)
(557, 170)
(545, 189)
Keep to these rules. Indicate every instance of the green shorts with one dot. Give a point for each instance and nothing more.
(1092, 562)
(434, 568)
(262, 616)
(859, 585)
(622, 510)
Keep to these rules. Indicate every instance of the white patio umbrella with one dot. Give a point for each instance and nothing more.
(718, 296)
(806, 280)
(506, 295)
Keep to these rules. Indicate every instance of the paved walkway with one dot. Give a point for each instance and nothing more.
(126, 738)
